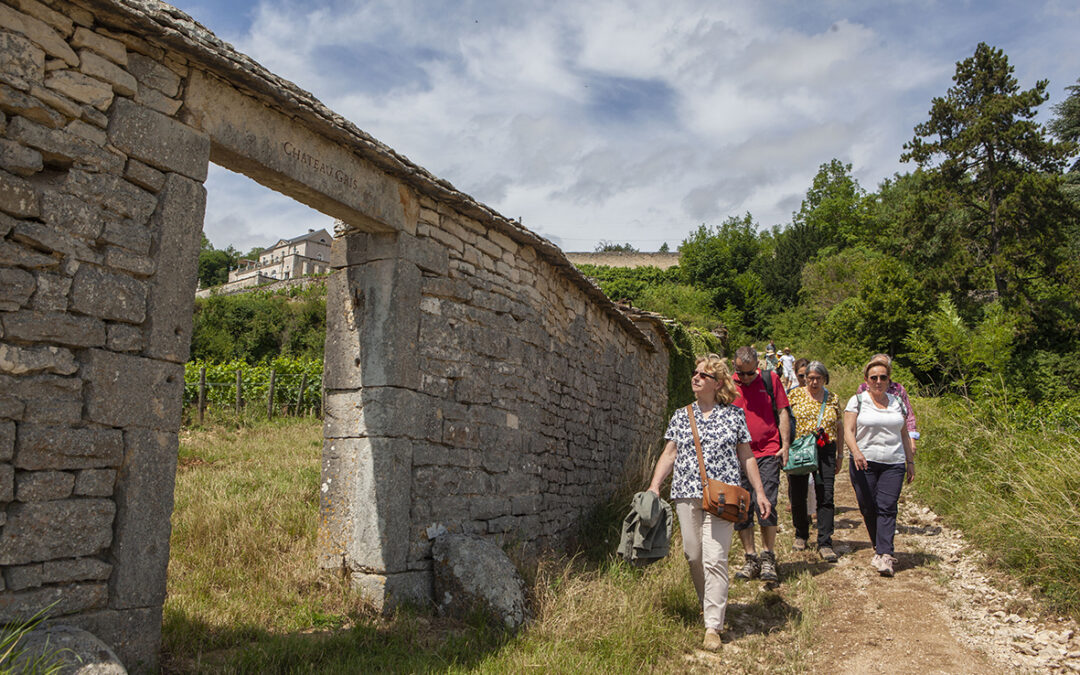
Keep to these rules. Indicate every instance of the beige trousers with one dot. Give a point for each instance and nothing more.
(706, 542)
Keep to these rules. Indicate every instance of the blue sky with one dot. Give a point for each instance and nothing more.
(625, 120)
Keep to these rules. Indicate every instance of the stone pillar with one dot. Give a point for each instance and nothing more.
(371, 376)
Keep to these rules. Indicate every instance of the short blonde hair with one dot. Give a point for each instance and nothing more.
(714, 364)
(878, 360)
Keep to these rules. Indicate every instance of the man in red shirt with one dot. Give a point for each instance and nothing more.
(770, 437)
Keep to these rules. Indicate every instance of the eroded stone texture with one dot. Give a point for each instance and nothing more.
(43, 486)
(95, 482)
(124, 390)
(57, 327)
(75, 569)
(67, 528)
(158, 140)
(46, 447)
(65, 599)
(16, 360)
(471, 574)
(16, 287)
(102, 294)
(77, 650)
(20, 58)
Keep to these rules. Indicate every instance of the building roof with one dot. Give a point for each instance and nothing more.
(311, 235)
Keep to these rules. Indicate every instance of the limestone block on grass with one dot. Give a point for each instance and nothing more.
(16, 287)
(39, 32)
(158, 140)
(387, 591)
(75, 569)
(51, 292)
(144, 504)
(82, 88)
(19, 159)
(114, 50)
(113, 193)
(176, 229)
(64, 329)
(124, 390)
(18, 197)
(66, 599)
(95, 482)
(67, 528)
(43, 486)
(473, 574)
(134, 634)
(92, 64)
(16, 360)
(76, 650)
(20, 58)
(63, 147)
(115, 297)
(154, 75)
(42, 447)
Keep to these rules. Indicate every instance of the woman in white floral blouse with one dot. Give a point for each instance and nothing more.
(725, 447)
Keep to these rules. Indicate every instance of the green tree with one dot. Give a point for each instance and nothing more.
(611, 247)
(1066, 126)
(996, 209)
(214, 265)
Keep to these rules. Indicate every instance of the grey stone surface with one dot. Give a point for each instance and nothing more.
(114, 50)
(51, 294)
(68, 528)
(20, 58)
(127, 234)
(48, 399)
(17, 255)
(19, 159)
(22, 577)
(124, 338)
(158, 140)
(56, 327)
(177, 235)
(381, 411)
(124, 390)
(38, 32)
(105, 295)
(134, 634)
(387, 591)
(58, 240)
(95, 482)
(18, 197)
(74, 569)
(122, 82)
(7, 483)
(63, 147)
(24, 106)
(144, 176)
(112, 192)
(7, 435)
(39, 447)
(144, 503)
(66, 211)
(16, 287)
(365, 495)
(15, 360)
(79, 652)
(43, 486)
(472, 574)
(66, 599)
(81, 88)
(153, 74)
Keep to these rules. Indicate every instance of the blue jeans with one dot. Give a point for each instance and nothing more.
(877, 488)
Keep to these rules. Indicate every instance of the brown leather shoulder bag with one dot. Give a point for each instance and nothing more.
(730, 502)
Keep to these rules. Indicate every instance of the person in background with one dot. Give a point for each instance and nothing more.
(800, 374)
(806, 404)
(725, 450)
(897, 389)
(882, 456)
(788, 363)
(769, 440)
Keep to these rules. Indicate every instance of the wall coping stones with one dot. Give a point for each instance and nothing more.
(181, 33)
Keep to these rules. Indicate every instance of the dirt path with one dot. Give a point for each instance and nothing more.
(939, 614)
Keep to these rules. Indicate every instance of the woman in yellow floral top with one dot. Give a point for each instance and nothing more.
(805, 406)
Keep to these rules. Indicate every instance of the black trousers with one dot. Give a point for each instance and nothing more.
(824, 484)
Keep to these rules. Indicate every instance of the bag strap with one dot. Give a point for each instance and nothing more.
(697, 447)
(766, 379)
(821, 413)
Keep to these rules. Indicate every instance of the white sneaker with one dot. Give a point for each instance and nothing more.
(885, 565)
(875, 562)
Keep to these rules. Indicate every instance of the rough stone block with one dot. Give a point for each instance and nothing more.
(95, 66)
(63, 329)
(20, 58)
(134, 634)
(18, 197)
(68, 528)
(73, 649)
(7, 485)
(15, 360)
(144, 503)
(364, 504)
(52, 292)
(124, 390)
(7, 437)
(75, 569)
(91, 133)
(46, 399)
(387, 591)
(19, 159)
(69, 212)
(380, 411)
(59, 146)
(61, 23)
(155, 100)
(158, 140)
(112, 192)
(144, 176)
(39, 32)
(67, 599)
(114, 50)
(16, 287)
(177, 236)
(43, 486)
(61, 103)
(95, 482)
(116, 297)
(154, 75)
(17, 255)
(126, 261)
(82, 88)
(22, 577)
(55, 239)
(40, 447)
(17, 103)
(127, 234)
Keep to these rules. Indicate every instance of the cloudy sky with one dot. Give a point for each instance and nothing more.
(624, 120)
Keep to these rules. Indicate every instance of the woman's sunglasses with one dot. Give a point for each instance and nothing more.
(698, 373)
(878, 378)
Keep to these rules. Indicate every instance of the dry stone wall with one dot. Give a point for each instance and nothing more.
(476, 381)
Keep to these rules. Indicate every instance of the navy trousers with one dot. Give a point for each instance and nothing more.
(877, 488)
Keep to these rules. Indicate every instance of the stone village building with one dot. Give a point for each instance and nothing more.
(474, 378)
(289, 258)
